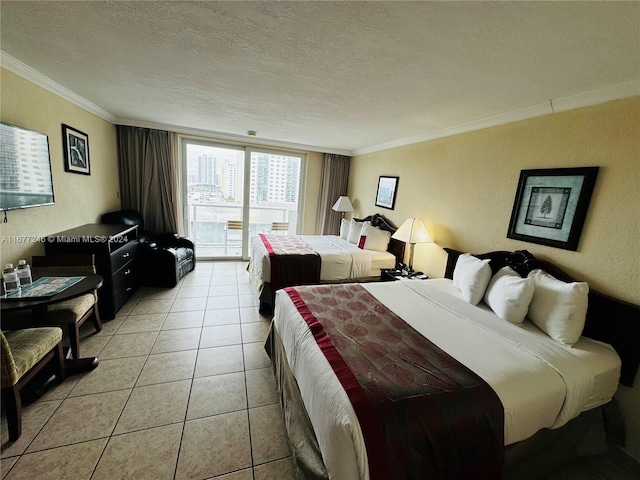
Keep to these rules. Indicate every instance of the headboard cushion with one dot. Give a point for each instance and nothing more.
(609, 320)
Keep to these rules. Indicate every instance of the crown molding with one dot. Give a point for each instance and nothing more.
(230, 137)
(594, 97)
(25, 71)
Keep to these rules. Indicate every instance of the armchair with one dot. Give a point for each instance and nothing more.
(25, 353)
(165, 258)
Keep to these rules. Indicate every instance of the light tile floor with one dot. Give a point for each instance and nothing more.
(184, 390)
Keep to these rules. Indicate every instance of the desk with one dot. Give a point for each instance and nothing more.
(38, 307)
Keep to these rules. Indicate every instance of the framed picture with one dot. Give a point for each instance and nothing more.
(551, 206)
(387, 190)
(76, 150)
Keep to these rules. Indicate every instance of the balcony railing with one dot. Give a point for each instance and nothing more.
(208, 226)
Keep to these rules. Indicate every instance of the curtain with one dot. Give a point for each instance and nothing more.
(334, 182)
(149, 176)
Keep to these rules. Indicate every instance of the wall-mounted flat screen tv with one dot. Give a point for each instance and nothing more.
(25, 168)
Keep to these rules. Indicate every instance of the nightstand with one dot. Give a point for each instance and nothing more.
(393, 274)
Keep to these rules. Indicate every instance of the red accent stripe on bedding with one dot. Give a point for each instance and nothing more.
(267, 245)
(378, 466)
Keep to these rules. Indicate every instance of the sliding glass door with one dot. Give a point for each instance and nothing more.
(232, 193)
(274, 187)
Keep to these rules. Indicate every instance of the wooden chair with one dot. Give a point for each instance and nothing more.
(232, 225)
(24, 354)
(280, 227)
(70, 313)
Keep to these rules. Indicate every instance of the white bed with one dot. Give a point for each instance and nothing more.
(341, 260)
(550, 391)
(540, 382)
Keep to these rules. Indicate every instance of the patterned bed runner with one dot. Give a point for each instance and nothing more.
(422, 413)
(293, 262)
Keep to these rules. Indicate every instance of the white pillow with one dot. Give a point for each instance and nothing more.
(509, 295)
(344, 228)
(354, 231)
(372, 238)
(558, 308)
(471, 276)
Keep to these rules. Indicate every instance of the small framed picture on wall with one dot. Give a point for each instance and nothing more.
(76, 150)
(387, 191)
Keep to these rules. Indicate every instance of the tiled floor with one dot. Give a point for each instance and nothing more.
(183, 390)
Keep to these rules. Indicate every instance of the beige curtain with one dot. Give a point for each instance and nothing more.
(149, 176)
(334, 181)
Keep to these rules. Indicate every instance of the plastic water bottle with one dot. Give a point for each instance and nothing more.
(10, 278)
(24, 273)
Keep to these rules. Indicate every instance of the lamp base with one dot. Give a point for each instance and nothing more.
(411, 245)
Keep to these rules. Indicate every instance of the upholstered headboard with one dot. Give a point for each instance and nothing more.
(396, 247)
(608, 320)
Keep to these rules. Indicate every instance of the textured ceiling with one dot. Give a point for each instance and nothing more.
(341, 75)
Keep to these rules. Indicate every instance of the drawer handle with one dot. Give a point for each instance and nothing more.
(125, 255)
(127, 272)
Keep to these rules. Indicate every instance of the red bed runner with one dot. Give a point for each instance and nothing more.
(422, 413)
(293, 261)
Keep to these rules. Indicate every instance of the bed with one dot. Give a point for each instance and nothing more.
(551, 406)
(278, 261)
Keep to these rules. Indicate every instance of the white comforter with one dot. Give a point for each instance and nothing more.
(541, 383)
(341, 260)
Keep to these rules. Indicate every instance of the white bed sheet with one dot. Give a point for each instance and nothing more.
(341, 260)
(541, 383)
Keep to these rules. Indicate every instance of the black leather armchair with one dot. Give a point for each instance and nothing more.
(164, 258)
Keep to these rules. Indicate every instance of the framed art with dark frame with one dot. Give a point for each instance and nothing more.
(387, 191)
(551, 205)
(76, 150)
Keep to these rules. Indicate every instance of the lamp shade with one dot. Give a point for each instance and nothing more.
(413, 231)
(343, 204)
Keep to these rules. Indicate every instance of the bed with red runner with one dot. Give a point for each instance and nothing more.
(278, 261)
(407, 380)
(293, 261)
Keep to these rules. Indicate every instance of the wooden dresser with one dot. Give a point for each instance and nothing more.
(115, 248)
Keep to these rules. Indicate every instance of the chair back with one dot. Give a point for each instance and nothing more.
(53, 265)
(9, 370)
(279, 227)
(234, 224)
(124, 217)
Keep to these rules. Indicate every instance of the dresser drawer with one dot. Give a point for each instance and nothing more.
(119, 240)
(123, 255)
(121, 296)
(125, 276)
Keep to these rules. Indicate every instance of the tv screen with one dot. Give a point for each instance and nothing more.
(25, 168)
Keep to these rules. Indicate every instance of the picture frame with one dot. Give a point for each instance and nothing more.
(387, 191)
(75, 145)
(551, 206)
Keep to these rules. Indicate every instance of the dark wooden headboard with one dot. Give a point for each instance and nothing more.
(608, 320)
(396, 247)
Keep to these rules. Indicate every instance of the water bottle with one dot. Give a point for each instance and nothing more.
(24, 273)
(10, 278)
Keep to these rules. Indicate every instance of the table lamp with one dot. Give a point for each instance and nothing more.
(343, 204)
(412, 231)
